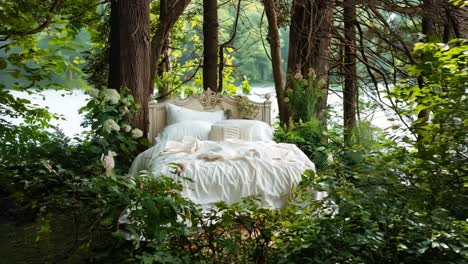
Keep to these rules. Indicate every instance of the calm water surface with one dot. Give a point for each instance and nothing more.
(67, 105)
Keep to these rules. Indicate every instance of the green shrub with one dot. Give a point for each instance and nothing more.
(108, 114)
(307, 136)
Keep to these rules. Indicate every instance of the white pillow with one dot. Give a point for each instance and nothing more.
(176, 114)
(197, 129)
(251, 130)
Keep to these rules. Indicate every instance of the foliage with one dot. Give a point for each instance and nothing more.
(109, 114)
(376, 218)
(394, 203)
(166, 228)
(442, 137)
(41, 172)
(40, 45)
(302, 95)
(309, 137)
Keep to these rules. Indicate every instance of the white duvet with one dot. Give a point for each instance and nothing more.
(228, 170)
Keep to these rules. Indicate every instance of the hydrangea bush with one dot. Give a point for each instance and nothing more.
(109, 114)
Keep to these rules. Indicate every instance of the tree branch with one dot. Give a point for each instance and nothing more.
(409, 10)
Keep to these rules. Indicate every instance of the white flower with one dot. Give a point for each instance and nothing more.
(108, 162)
(110, 95)
(298, 76)
(124, 110)
(93, 92)
(126, 128)
(321, 83)
(311, 74)
(444, 46)
(126, 101)
(286, 99)
(137, 133)
(110, 125)
(289, 91)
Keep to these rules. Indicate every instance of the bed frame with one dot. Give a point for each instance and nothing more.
(206, 101)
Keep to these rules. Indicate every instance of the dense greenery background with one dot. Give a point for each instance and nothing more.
(397, 197)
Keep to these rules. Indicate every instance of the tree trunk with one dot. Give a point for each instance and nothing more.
(458, 20)
(114, 48)
(350, 91)
(210, 45)
(220, 67)
(170, 11)
(134, 21)
(275, 50)
(430, 22)
(309, 44)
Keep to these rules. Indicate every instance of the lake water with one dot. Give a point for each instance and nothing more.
(67, 104)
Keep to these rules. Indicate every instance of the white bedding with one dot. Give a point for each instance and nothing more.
(228, 170)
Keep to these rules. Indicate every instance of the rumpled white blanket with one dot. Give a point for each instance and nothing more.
(228, 170)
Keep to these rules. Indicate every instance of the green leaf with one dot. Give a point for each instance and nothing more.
(3, 64)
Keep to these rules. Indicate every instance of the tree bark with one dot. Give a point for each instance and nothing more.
(350, 91)
(114, 48)
(210, 45)
(170, 11)
(456, 22)
(134, 21)
(309, 44)
(275, 50)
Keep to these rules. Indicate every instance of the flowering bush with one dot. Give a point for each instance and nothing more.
(109, 114)
(302, 95)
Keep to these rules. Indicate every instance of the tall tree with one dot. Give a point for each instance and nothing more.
(309, 44)
(350, 90)
(134, 21)
(210, 44)
(275, 50)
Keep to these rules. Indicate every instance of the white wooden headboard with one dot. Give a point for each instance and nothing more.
(206, 101)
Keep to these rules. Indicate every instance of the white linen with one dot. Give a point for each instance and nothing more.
(176, 114)
(250, 130)
(229, 170)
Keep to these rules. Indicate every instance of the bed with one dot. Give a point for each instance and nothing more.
(208, 139)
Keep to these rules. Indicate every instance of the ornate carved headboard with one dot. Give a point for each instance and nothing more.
(208, 101)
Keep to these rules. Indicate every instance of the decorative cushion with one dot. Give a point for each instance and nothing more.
(250, 130)
(221, 133)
